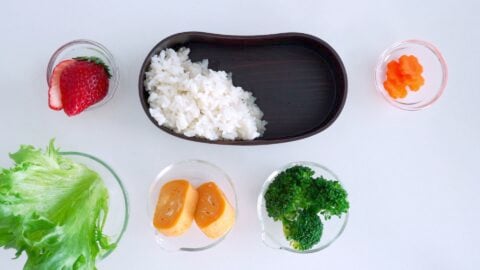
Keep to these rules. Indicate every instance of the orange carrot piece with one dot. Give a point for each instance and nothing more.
(415, 83)
(410, 65)
(395, 90)
(407, 71)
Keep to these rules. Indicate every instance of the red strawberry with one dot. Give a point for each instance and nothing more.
(54, 94)
(83, 83)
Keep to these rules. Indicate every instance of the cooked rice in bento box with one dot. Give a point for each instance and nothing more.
(195, 101)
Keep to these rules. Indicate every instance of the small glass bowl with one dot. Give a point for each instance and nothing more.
(434, 71)
(84, 47)
(117, 219)
(118, 213)
(118, 210)
(197, 172)
(272, 231)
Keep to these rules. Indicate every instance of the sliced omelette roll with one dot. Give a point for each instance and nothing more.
(214, 215)
(175, 208)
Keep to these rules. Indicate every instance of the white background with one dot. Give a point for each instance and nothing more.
(413, 177)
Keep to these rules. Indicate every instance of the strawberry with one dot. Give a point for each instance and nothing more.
(83, 83)
(54, 93)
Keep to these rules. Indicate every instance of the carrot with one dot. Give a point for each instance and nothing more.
(414, 83)
(410, 65)
(406, 72)
(395, 90)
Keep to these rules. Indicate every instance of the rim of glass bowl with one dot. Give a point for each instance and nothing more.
(261, 218)
(113, 69)
(381, 62)
(122, 187)
(169, 167)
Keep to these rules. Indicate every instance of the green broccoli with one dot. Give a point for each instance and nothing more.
(305, 231)
(296, 198)
(327, 197)
(285, 195)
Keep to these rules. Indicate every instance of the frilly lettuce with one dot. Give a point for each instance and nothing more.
(54, 210)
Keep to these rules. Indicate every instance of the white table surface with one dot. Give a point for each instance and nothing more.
(413, 177)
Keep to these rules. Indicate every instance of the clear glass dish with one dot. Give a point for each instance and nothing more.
(84, 47)
(118, 215)
(272, 231)
(197, 172)
(118, 208)
(435, 73)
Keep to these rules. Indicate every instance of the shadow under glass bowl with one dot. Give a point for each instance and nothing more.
(435, 73)
(118, 207)
(197, 172)
(84, 47)
(272, 231)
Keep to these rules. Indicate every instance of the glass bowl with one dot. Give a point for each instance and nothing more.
(272, 231)
(84, 47)
(118, 211)
(197, 172)
(434, 71)
(117, 219)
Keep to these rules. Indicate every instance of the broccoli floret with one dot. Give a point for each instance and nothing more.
(296, 198)
(305, 231)
(285, 195)
(327, 197)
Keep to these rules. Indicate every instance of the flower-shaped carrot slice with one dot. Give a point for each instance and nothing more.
(407, 71)
(414, 83)
(393, 71)
(409, 65)
(394, 89)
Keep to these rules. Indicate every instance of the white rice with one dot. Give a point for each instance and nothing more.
(193, 100)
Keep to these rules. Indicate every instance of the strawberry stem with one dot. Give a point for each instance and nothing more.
(95, 60)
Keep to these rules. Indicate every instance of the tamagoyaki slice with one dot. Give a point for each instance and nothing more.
(175, 208)
(214, 215)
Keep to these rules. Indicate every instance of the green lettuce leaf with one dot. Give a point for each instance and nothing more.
(54, 210)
